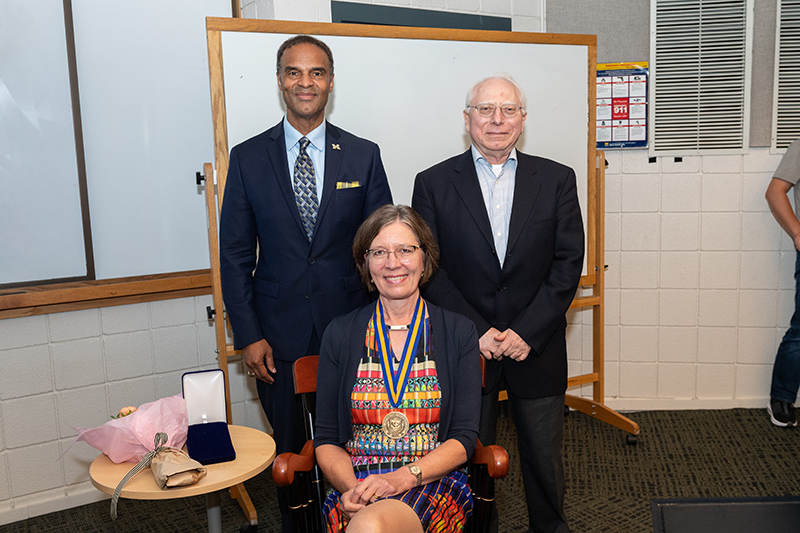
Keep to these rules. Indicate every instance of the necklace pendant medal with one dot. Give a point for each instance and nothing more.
(395, 425)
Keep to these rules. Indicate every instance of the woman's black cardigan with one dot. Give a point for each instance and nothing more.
(457, 358)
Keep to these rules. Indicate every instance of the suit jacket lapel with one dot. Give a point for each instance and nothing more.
(465, 181)
(333, 162)
(276, 147)
(526, 190)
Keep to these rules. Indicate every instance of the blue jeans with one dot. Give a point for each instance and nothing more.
(786, 371)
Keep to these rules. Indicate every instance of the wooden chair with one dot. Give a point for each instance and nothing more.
(299, 471)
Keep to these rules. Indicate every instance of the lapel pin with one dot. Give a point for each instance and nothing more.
(336, 147)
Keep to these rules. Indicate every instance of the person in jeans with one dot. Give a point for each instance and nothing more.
(786, 370)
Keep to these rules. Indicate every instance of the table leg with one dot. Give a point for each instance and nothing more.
(214, 512)
(239, 493)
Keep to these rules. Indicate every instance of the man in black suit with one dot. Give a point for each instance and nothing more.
(294, 198)
(511, 245)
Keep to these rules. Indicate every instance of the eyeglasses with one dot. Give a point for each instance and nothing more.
(403, 254)
(508, 110)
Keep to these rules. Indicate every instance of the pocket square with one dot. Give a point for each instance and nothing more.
(347, 184)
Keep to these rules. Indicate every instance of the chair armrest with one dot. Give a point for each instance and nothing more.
(495, 458)
(286, 464)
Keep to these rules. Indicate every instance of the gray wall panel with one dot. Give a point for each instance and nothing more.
(623, 34)
(622, 26)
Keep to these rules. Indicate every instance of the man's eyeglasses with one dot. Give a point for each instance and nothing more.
(378, 256)
(508, 110)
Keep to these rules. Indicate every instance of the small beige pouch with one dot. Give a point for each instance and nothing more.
(173, 468)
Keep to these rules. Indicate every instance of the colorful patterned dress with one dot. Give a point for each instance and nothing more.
(442, 505)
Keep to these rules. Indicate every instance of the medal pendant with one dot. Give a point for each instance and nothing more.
(395, 425)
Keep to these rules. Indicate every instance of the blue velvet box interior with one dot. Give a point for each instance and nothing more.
(208, 440)
(210, 443)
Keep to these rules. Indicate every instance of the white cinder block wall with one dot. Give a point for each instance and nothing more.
(76, 369)
(699, 286)
(698, 292)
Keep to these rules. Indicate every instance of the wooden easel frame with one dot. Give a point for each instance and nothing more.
(595, 212)
(596, 301)
(224, 350)
(596, 406)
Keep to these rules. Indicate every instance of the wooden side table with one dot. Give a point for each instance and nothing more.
(255, 451)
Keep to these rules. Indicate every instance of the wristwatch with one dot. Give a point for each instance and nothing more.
(417, 472)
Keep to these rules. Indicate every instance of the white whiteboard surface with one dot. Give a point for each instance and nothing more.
(145, 103)
(407, 95)
(41, 231)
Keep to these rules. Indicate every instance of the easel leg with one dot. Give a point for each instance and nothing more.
(602, 413)
(595, 407)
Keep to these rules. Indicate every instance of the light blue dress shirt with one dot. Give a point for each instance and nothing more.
(498, 196)
(315, 150)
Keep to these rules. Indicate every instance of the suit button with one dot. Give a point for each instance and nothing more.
(311, 261)
(308, 296)
(500, 288)
(494, 253)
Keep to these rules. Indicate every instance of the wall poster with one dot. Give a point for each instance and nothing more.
(622, 105)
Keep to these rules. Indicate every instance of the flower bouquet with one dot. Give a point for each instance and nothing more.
(129, 438)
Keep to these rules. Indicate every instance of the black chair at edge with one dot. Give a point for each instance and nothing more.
(300, 473)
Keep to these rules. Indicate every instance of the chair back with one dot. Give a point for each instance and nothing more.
(305, 374)
(312, 494)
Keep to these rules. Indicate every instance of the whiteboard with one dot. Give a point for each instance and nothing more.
(405, 88)
(143, 77)
(41, 228)
(407, 95)
(142, 71)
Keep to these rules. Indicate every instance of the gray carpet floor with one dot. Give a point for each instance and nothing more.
(680, 454)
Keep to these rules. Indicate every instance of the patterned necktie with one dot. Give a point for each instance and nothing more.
(305, 188)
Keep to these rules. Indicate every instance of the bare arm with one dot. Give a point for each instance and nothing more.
(778, 200)
(335, 463)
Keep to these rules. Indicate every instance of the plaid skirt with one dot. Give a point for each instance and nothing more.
(442, 506)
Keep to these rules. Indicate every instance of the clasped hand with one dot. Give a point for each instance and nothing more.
(374, 487)
(495, 344)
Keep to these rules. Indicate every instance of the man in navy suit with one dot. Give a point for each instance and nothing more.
(511, 246)
(294, 198)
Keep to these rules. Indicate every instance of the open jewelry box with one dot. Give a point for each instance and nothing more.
(208, 440)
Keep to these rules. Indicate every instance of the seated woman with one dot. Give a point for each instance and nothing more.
(398, 392)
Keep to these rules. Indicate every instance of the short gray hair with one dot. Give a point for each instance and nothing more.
(523, 101)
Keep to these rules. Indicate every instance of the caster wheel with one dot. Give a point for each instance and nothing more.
(631, 440)
(246, 527)
(566, 410)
